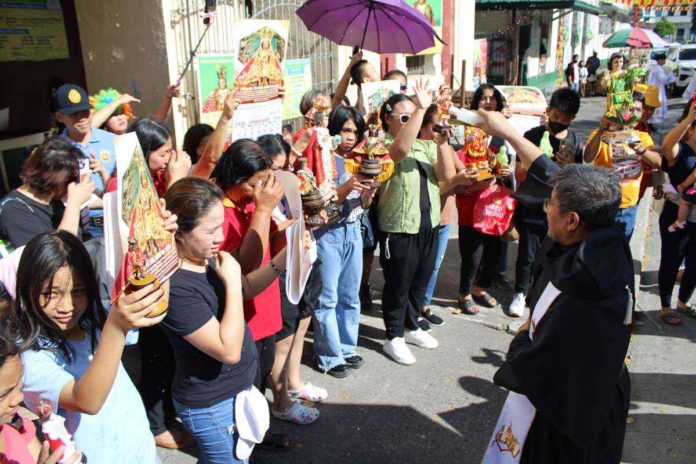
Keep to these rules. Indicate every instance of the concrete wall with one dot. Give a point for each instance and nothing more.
(123, 46)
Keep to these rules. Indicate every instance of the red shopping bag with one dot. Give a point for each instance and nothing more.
(493, 210)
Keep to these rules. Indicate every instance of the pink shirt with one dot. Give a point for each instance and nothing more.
(16, 438)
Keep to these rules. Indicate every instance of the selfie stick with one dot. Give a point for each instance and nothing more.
(208, 16)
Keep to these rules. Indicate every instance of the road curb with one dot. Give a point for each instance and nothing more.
(638, 240)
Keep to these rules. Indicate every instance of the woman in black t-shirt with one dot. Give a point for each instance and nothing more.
(679, 149)
(49, 176)
(215, 353)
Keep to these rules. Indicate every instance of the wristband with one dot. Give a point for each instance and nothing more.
(273, 266)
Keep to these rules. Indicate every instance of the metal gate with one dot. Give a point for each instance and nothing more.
(321, 52)
(188, 27)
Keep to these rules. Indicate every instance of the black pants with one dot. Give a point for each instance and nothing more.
(151, 366)
(502, 264)
(479, 255)
(265, 349)
(531, 236)
(677, 247)
(407, 262)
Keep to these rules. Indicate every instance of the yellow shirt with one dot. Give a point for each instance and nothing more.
(630, 188)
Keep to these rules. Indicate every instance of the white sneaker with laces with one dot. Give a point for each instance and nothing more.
(420, 338)
(397, 350)
(516, 308)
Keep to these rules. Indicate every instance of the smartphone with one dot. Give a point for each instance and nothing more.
(356, 49)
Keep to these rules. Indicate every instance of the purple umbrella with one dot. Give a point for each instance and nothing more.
(382, 26)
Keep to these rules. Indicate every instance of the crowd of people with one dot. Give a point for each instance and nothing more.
(121, 379)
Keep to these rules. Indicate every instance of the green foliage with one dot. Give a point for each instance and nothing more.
(665, 28)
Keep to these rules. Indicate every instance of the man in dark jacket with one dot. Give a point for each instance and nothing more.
(565, 369)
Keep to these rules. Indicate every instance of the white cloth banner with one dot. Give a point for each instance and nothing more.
(510, 433)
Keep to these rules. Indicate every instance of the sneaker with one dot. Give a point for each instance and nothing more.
(365, 297)
(341, 371)
(420, 338)
(424, 324)
(516, 308)
(432, 318)
(398, 351)
(354, 362)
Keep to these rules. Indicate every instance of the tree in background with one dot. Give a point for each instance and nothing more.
(665, 28)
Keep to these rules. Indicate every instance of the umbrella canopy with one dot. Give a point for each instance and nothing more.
(636, 37)
(381, 26)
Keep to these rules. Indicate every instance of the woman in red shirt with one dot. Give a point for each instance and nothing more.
(245, 174)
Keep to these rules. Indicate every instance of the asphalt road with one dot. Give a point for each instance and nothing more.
(443, 408)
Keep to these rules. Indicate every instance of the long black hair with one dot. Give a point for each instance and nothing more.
(194, 135)
(239, 162)
(8, 346)
(388, 107)
(274, 145)
(42, 258)
(152, 134)
(476, 99)
(341, 114)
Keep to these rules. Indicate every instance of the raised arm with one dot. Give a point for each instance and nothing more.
(165, 106)
(216, 142)
(670, 144)
(100, 117)
(401, 146)
(595, 141)
(342, 85)
(495, 123)
(255, 242)
(222, 340)
(89, 393)
(78, 194)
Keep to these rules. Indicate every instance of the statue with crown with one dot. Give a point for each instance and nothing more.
(316, 170)
(370, 158)
(619, 107)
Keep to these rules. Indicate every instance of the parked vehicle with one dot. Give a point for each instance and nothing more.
(686, 64)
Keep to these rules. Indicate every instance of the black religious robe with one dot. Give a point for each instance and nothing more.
(573, 372)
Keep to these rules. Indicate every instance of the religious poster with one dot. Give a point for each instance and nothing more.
(252, 120)
(298, 80)
(480, 62)
(260, 50)
(374, 94)
(32, 30)
(136, 241)
(432, 10)
(215, 80)
(524, 100)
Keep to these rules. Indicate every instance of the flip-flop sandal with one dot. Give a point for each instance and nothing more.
(689, 310)
(485, 300)
(671, 318)
(466, 307)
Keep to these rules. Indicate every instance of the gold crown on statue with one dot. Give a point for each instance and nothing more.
(319, 104)
(266, 33)
(221, 72)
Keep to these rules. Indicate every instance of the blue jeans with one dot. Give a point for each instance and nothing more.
(575, 87)
(443, 237)
(337, 314)
(626, 220)
(214, 430)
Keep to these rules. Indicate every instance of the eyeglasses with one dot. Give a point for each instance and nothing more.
(404, 117)
(547, 203)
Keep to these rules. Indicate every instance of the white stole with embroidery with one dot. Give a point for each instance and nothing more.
(510, 433)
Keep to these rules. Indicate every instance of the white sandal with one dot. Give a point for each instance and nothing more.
(309, 392)
(297, 414)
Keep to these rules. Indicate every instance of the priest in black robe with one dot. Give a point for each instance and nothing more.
(573, 370)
